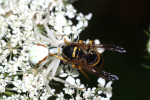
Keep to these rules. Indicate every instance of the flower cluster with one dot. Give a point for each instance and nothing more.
(25, 23)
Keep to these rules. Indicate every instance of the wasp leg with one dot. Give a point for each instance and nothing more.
(91, 42)
(79, 67)
(58, 57)
(84, 73)
(65, 40)
(88, 48)
(80, 41)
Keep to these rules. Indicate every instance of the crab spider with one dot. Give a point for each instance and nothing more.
(39, 53)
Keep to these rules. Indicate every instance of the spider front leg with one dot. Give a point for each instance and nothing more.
(49, 32)
(37, 34)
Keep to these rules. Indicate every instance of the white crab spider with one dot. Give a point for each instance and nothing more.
(39, 53)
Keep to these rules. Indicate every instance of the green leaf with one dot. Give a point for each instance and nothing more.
(146, 57)
(149, 28)
(147, 33)
(146, 66)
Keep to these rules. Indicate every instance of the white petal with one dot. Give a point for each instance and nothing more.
(80, 14)
(101, 81)
(96, 41)
(14, 51)
(100, 50)
(2, 11)
(61, 20)
(108, 85)
(71, 15)
(67, 30)
(105, 98)
(71, 80)
(99, 92)
(108, 94)
(85, 23)
(75, 73)
(80, 24)
(74, 28)
(77, 80)
(88, 17)
(63, 75)
(78, 97)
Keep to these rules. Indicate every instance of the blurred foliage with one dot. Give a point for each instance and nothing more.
(69, 1)
(147, 56)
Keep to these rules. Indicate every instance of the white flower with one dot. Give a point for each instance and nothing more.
(2, 83)
(71, 74)
(106, 89)
(76, 31)
(100, 50)
(60, 96)
(87, 93)
(83, 20)
(70, 11)
(47, 22)
(78, 97)
(60, 21)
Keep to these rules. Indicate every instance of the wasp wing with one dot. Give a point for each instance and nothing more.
(103, 74)
(95, 70)
(105, 46)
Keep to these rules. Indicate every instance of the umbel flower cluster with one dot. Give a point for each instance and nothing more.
(48, 23)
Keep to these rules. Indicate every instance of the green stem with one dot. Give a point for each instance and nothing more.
(97, 90)
(9, 93)
(72, 97)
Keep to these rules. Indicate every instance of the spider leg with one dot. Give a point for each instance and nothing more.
(50, 67)
(49, 32)
(57, 61)
(37, 32)
(48, 88)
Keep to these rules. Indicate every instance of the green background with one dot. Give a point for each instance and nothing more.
(120, 22)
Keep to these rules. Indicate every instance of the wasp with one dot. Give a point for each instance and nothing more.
(86, 57)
